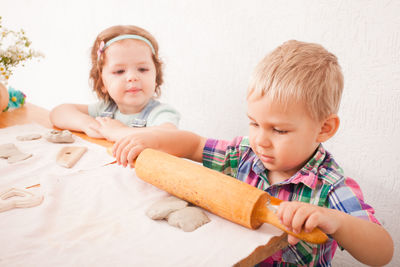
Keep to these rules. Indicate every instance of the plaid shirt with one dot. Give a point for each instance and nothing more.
(319, 182)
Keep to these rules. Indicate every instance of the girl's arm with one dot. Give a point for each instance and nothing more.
(74, 117)
(114, 130)
(176, 142)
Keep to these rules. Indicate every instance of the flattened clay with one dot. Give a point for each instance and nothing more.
(69, 155)
(160, 209)
(18, 198)
(55, 136)
(188, 219)
(12, 153)
(21, 156)
(28, 137)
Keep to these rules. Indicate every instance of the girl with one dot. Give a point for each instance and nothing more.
(126, 75)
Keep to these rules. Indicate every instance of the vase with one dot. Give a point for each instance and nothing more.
(4, 97)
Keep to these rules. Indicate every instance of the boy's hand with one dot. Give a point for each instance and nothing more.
(298, 215)
(128, 148)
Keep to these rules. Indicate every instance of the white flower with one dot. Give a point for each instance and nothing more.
(14, 50)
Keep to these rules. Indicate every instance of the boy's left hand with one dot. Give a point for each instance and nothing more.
(126, 149)
(297, 216)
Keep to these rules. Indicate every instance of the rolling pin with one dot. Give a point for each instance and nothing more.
(216, 192)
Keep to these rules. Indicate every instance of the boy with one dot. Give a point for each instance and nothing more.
(293, 100)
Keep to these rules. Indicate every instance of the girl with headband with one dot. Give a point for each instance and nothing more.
(126, 75)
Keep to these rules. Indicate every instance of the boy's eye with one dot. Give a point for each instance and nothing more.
(280, 131)
(253, 124)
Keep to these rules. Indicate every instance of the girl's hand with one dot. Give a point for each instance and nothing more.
(298, 215)
(110, 128)
(127, 149)
(91, 130)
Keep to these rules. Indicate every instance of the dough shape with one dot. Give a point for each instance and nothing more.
(28, 137)
(69, 155)
(18, 198)
(55, 136)
(160, 209)
(188, 219)
(12, 153)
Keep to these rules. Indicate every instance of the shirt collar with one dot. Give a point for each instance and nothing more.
(308, 174)
(257, 165)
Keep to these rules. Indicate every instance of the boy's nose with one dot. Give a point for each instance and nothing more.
(263, 140)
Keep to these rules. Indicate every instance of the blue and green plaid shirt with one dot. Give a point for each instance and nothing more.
(320, 182)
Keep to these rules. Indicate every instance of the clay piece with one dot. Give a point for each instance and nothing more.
(188, 219)
(56, 136)
(18, 198)
(69, 155)
(12, 153)
(162, 208)
(177, 212)
(29, 137)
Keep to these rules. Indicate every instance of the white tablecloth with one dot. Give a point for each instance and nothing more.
(94, 215)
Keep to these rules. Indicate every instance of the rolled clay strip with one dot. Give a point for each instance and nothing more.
(69, 155)
(18, 198)
(29, 137)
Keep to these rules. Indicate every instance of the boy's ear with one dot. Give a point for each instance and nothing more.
(329, 126)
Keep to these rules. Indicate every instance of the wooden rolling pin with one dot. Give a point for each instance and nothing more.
(216, 192)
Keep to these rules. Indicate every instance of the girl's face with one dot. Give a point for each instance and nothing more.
(129, 75)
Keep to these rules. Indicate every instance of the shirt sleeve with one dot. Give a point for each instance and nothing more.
(162, 114)
(96, 109)
(346, 196)
(222, 156)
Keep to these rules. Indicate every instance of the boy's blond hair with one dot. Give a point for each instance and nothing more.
(301, 72)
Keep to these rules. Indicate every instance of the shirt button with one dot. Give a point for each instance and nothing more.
(322, 171)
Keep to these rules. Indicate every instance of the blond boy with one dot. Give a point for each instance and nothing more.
(293, 100)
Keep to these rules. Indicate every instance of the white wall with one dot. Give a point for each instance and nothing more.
(210, 48)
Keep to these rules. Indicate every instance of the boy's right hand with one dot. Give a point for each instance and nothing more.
(128, 148)
(298, 216)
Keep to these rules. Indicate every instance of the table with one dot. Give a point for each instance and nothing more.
(31, 113)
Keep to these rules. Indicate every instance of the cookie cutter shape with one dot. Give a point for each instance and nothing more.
(69, 155)
(12, 153)
(18, 198)
(56, 136)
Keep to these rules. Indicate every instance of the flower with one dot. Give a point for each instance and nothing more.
(14, 50)
(101, 49)
(16, 99)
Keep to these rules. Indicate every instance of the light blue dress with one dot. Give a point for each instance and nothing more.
(154, 113)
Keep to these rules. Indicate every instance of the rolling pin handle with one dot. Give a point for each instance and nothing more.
(267, 214)
(271, 207)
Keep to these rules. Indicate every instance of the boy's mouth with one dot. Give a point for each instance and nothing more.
(265, 158)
